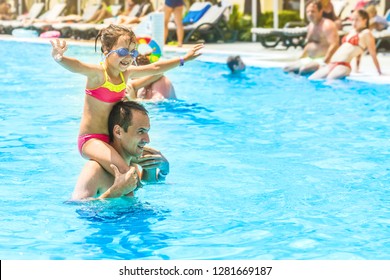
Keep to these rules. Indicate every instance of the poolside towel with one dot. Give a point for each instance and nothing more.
(24, 33)
(196, 11)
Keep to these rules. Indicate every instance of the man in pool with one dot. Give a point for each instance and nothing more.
(322, 40)
(128, 126)
(235, 64)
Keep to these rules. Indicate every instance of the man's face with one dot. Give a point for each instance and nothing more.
(313, 14)
(240, 67)
(357, 21)
(137, 135)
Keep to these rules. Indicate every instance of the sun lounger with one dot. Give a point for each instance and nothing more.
(35, 10)
(132, 13)
(384, 35)
(339, 6)
(196, 11)
(47, 18)
(207, 26)
(88, 12)
(83, 30)
(65, 26)
(288, 36)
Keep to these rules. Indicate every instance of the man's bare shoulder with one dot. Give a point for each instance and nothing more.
(329, 25)
(92, 179)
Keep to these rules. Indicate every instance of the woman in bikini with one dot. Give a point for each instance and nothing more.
(354, 44)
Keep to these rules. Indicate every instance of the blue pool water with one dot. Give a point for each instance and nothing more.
(263, 166)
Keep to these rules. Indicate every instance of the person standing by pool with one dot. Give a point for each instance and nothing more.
(176, 7)
(106, 85)
(355, 43)
(128, 126)
(322, 41)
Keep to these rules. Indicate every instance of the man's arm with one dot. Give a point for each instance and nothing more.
(91, 176)
(155, 167)
(307, 40)
(94, 179)
(143, 82)
(124, 184)
(332, 37)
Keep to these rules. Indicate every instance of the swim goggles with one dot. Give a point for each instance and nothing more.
(124, 52)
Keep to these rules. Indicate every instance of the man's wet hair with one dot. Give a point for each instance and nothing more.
(232, 61)
(121, 114)
(317, 3)
(142, 60)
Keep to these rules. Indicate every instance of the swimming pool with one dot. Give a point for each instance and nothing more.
(263, 166)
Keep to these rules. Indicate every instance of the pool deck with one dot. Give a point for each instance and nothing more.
(254, 54)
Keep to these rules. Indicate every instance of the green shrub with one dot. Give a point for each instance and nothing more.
(239, 25)
(266, 19)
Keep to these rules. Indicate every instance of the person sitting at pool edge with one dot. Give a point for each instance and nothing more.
(355, 44)
(322, 41)
(235, 64)
(128, 126)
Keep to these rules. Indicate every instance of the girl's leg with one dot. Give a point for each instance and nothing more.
(167, 17)
(309, 68)
(339, 72)
(293, 67)
(178, 17)
(104, 154)
(321, 73)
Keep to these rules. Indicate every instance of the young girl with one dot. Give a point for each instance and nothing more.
(106, 85)
(354, 44)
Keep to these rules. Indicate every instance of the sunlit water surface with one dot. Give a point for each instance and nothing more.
(264, 165)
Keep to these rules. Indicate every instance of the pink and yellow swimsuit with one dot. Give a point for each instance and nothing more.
(109, 93)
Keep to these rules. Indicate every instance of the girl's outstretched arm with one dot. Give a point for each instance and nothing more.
(133, 86)
(72, 64)
(143, 82)
(163, 65)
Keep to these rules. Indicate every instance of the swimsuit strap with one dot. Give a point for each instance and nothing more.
(353, 40)
(109, 84)
(122, 77)
(105, 72)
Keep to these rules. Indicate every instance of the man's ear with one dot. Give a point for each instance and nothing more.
(117, 131)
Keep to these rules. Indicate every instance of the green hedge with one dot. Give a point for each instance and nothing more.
(241, 24)
(266, 19)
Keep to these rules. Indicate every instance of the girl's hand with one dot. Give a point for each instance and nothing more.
(130, 93)
(194, 52)
(59, 48)
(124, 184)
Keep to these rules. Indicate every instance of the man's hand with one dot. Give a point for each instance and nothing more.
(124, 184)
(150, 161)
